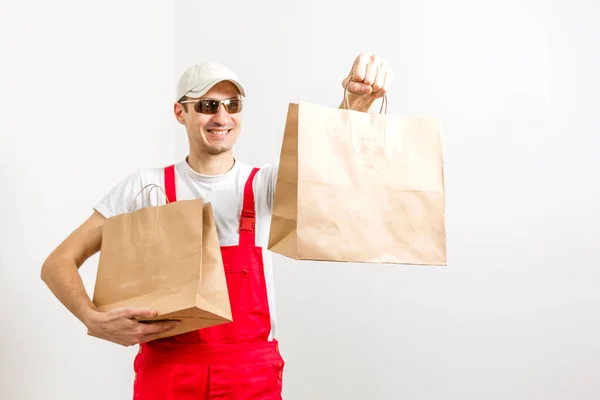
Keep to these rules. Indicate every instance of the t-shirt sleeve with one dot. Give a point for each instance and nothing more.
(268, 180)
(120, 198)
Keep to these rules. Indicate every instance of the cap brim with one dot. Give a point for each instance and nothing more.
(201, 91)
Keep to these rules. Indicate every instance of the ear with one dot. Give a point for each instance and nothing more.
(179, 113)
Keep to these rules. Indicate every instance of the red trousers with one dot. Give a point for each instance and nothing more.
(215, 372)
(232, 361)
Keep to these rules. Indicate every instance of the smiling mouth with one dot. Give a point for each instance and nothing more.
(219, 132)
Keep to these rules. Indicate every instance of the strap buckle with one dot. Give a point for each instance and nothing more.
(247, 221)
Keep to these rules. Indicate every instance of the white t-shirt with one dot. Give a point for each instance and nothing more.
(224, 192)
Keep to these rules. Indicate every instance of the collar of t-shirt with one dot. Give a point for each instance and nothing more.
(211, 179)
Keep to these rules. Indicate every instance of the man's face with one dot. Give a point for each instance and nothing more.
(212, 133)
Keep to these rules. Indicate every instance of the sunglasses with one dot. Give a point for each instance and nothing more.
(208, 106)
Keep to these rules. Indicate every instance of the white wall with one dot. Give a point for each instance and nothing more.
(513, 316)
(84, 100)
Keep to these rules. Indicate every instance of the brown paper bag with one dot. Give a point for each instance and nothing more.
(167, 258)
(359, 187)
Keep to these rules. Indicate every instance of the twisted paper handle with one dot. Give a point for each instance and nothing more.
(152, 185)
(384, 102)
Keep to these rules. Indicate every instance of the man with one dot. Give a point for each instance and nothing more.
(241, 359)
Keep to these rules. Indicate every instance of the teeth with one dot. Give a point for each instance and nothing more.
(218, 131)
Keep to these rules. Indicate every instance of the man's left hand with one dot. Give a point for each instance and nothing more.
(369, 79)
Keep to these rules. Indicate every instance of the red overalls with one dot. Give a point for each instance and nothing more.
(233, 361)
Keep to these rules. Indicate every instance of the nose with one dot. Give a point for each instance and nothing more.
(222, 116)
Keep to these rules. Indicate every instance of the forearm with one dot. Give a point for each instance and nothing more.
(62, 277)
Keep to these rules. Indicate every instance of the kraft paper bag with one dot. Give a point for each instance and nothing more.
(168, 258)
(359, 187)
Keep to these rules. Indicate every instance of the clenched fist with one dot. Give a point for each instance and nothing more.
(370, 76)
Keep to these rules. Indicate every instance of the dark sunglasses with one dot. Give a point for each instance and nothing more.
(208, 106)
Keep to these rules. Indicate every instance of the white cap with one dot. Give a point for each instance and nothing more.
(198, 79)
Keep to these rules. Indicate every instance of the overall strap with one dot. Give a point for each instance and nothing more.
(248, 216)
(170, 184)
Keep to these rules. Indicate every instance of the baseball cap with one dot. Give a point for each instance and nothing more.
(198, 79)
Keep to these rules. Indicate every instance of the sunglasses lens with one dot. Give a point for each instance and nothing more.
(212, 106)
(234, 106)
(207, 106)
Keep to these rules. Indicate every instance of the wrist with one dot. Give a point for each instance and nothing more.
(89, 316)
(360, 103)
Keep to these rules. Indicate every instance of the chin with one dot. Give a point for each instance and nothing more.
(218, 149)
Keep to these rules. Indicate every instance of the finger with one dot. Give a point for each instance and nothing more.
(359, 68)
(383, 89)
(371, 71)
(359, 88)
(389, 75)
(379, 80)
(156, 332)
(131, 312)
(158, 327)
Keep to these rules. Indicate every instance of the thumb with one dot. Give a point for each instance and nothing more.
(359, 88)
(350, 79)
(345, 81)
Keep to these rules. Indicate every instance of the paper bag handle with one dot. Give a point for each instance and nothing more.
(384, 102)
(153, 185)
